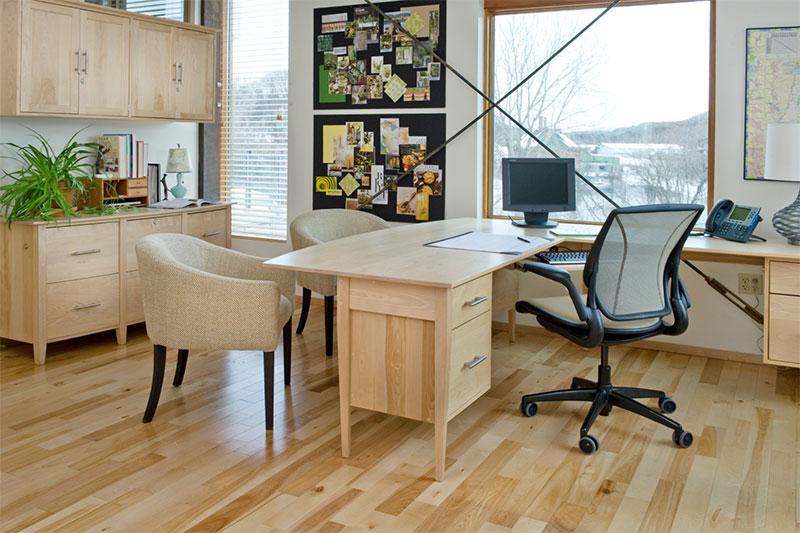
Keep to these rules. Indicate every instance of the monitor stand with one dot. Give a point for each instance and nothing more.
(535, 220)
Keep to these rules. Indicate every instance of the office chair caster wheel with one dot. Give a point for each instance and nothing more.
(682, 438)
(588, 444)
(667, 405)
(528, 409)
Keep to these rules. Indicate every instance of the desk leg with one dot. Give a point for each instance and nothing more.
(440, 445)
(343, 332)
(441, 380)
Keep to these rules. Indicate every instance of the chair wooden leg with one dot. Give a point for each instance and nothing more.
(304, 310)
(329, 325)
(269, 386)
(180, 369)
(287, 352)
(159, 362)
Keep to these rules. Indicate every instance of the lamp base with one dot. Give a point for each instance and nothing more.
(178, 191)
(787, 221)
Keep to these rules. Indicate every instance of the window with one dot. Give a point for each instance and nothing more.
(629, 100)
(168, 9)
(254, 116)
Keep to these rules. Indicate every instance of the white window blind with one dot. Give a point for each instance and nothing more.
(254, 116)
(168, 9)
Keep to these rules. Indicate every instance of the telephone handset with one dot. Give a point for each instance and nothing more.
(731, 221)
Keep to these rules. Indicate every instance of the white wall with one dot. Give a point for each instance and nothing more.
(161, 136)
(463, 163)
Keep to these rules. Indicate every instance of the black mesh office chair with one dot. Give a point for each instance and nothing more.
(633, 285)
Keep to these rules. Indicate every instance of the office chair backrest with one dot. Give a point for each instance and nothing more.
(635, 256)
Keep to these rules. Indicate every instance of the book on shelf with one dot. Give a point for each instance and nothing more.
(180, 203)
(111, 159)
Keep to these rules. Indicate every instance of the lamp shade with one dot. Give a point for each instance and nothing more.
(178, 160)
(782, 160)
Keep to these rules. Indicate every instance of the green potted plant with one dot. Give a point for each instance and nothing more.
(47, 184)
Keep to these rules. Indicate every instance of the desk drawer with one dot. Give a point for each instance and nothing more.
(784, 277)
(470, 344)
(81, 306)
(136, 229)
(471, 299)
(76, 252)
(784, 329)
(209, 226)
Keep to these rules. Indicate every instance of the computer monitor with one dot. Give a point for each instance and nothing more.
(537, 186)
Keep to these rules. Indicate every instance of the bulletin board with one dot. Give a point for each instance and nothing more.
(355, 154)
(363, 61)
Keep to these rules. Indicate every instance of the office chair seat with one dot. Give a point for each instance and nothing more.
(562, 309)
(633, 286)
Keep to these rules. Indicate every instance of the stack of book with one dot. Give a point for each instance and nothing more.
(121, 157)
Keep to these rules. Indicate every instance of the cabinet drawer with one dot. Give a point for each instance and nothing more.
(470, 344)
(76, 252)
(136, 229)
(133, 298)
(784, 328)
(135, 183)
(784, 277)
(81, 306)
(471, 299)
(209, 226)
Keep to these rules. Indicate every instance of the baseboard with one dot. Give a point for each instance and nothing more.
(740, 357)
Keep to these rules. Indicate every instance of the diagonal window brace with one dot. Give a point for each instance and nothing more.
(740, 304)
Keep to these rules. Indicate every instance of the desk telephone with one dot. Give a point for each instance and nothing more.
(731, 221)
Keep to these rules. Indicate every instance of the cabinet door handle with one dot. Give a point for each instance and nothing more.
(476, 301)
(475, 362)
(78, 60)
(96, 304)
(180, 66)
(211, 233)
(86, 62)
(86, 252)
(176, 72)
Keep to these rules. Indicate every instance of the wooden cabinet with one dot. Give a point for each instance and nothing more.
(67, 280)
(782, 313)
(66, 58)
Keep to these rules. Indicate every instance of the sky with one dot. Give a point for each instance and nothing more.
(656, 64)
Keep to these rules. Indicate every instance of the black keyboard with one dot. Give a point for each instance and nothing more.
(563, 258)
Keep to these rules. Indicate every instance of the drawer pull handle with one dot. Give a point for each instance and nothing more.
(86, 252)
(211, 233)
(476, 301)
(475, 362)
(87, 306)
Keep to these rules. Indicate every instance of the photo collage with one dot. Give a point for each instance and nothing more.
(358, 162)
(364, 59)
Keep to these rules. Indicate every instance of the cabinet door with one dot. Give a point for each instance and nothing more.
(194, 53)
(152, 70)
(49, 66)
(105, 42)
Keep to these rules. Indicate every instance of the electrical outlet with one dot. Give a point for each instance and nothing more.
(750, 283)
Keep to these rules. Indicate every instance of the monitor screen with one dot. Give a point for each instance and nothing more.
(546, 184)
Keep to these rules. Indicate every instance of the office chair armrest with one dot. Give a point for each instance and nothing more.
(561, 276)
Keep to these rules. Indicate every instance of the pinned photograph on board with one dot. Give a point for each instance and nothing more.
(386, 72)
(355, 132)
(351, 203)
(386, 42)
(324, 43)
(335, 170)
(414, 23)
(360, 41)
(365, 17)
(357, 72)
(349, 184)
(323, 183)
(411, 155)
(374, 87)
(334, 22)
(406, 201)
(368, 141)
(428, 179)
(364, 199)
(358, 94)
(363, 158)
(403, 55)
(423, 79)
(376, 64)
(394, 88)
(421, 57)
(342, 62)
(393, 163)
(350, 30)
(330, 61)
(404, 136)
(435, 71)
(389, 131)
(423, 211)
(376, 184)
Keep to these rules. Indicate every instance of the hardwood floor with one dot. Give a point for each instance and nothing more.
(74, 455)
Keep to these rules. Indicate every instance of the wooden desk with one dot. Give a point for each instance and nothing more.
(399, 302)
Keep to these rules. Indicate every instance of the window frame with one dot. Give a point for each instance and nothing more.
(493, 8)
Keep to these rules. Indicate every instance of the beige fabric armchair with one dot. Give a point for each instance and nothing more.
(315, 227)
(198, 296)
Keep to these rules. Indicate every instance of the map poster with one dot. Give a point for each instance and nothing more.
(772, 89)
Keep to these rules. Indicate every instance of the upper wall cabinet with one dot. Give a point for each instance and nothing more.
(67, 58)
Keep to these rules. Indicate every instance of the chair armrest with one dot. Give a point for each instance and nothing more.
(561, 276)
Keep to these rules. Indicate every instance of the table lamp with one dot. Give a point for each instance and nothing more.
(782, 163)
(178, 163)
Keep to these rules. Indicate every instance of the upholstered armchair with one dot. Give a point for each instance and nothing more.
(315, 227)
(198, 296)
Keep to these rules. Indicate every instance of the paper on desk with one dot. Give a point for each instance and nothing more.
(490, 242)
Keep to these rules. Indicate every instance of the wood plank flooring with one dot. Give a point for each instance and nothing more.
(74, 455)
